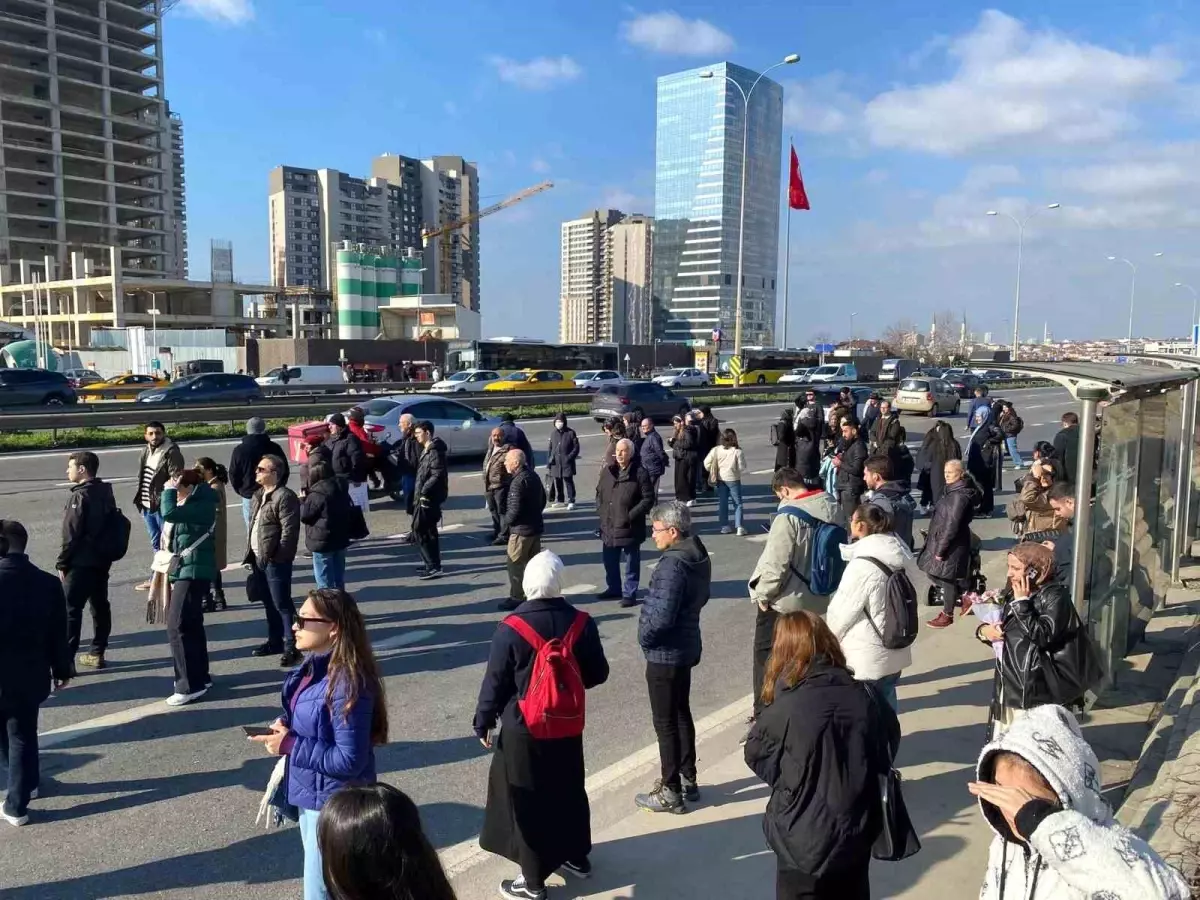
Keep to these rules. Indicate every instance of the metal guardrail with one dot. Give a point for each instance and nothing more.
(300, 401)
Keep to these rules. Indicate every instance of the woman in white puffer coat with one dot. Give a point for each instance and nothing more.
(861, 592)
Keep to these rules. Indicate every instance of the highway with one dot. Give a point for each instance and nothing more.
(142, 800)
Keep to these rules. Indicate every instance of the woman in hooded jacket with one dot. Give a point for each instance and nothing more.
(858, 606)
(984, 456)
(563, 451)
(685, 450)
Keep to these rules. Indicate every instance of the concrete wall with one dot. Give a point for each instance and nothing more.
(264, 355)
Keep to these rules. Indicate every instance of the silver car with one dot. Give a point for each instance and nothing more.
(464, 430)
(594, 379)
(674, 378)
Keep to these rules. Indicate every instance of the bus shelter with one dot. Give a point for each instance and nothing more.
(1135, 491)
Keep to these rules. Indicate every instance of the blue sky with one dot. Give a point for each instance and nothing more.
(911, 120)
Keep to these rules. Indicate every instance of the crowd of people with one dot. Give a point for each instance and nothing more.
(834, 591)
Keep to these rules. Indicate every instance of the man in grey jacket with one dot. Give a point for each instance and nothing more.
(776, 586)
(273, 537)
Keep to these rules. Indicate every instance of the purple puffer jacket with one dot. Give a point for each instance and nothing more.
(325, 752)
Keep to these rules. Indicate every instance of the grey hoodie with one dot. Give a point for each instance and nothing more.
(774, 582)
(1078, 852)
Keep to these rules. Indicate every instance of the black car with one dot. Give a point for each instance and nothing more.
(655, 401)
(211, 387)
(965, 384)
(35, 387)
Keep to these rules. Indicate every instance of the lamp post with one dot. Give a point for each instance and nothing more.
(852, 315)
(154, 314)
(1180, 284)
(1132, 295)
(737, 313)
(1020, 223)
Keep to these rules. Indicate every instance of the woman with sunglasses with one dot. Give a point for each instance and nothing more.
(334, 715)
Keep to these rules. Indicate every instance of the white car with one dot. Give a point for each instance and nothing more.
(594, 379)
(466, 381)
(797, 376)
(464, 429)
(675, 378)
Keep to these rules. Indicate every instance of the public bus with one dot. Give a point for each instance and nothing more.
(764, 365)
(510, 354)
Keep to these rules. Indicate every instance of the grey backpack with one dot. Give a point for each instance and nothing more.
(900, 622)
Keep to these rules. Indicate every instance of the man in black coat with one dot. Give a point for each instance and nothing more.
(81, 561)
(651, 454)
(522, 520)
(432, 487)
(33, 654)
(346, 453)
(623, 498)
(669, 635)
(1066, 448)
(872, 410)
(946, 556)
(254, 446)
(515, 436)
(851, 460)
(406, 455)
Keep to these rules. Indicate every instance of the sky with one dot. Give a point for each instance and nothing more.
(911, 121)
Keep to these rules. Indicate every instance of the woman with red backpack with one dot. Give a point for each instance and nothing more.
(543, 657)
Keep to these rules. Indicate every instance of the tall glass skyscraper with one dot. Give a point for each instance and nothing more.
(697, 195)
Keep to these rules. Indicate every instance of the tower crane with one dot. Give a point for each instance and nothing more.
(444, 230)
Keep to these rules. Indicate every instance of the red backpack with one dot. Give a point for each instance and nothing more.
(553, 705)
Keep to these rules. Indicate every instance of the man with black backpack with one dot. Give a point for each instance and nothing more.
(95, 534)
(800, 564)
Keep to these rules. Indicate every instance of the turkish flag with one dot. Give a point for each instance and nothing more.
(797, 198)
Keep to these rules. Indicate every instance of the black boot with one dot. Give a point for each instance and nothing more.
(219, 600)
(209, 605)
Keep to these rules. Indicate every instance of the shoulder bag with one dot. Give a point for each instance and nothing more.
(897, 837)
(169, 563)
(1074, 668)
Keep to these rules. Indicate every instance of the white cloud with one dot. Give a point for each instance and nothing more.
(539, 165)
(538, 74)
(876, 176)
(233, 12)
(1163, 170)
(981, 179)
(669, 32)
(1014, 87)
(626, 201)
(821, 106)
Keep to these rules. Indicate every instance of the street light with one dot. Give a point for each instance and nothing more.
(852, 315)
(154, 314)
(1020, 223)
(737, 312)
(1180, 284)
(1132, 294)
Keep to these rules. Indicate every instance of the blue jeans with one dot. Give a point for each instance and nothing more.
(612, 569)
(329, 569)
(154, 526)
(272, 587)
(314, 879)
(725, 490)
(246, 501)
(1013, 450)
(886, 688)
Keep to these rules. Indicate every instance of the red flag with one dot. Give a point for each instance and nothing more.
(797, 198)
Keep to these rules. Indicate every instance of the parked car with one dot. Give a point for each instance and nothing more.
(996, 375)
(531, 380)
(592, 379)
(127, 386)
(35, 387)
(81, 377)
(465, 382)
(897, 369)
(210, 387)
(931, 396)
(964, 383)
(798, 376)
(929, 372)
(834, 373)
(655, 401)
(304, 375)
(465, 430)
(676, 378)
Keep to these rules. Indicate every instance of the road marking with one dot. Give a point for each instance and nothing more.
(91, 726)
(578, 589)
(403, 639)
(460, 857)
(763, 472)
(441, 530)
(469, 474)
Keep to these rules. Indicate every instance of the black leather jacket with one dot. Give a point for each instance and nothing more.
(1042, 622)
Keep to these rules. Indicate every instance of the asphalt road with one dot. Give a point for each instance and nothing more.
(142, 800)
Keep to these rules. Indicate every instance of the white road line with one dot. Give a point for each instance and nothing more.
(579, 589)
(403, 639)
(90, 726)
(469, 474)
(462, 856)
(763, 472)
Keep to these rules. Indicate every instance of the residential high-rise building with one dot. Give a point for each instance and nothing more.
(90, 156)
(697, 193)
(604, 292)
(312, 211)
(631, 255)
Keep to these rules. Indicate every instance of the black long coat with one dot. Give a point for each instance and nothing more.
(933, 458)
(564, 450)
(623, 497)
(949, 535)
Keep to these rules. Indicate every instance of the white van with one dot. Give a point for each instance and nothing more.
(304, 375)
(834, 373)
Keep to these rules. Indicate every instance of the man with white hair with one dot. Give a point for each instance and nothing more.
(523, 521)
(406, 455)
(623, 497)
(254, 446)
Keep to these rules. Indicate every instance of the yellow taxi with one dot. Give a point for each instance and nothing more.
(532, 380)
(128, 386)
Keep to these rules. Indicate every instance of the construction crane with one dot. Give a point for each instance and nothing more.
(443, 231)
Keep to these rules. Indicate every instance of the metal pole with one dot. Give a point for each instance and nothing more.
(1132, 293)
(1183, 484)
(1082, 539)
(1016, 347)
(737, 310)
(787, 270)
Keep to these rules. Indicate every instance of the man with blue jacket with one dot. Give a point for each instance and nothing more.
(669, 634)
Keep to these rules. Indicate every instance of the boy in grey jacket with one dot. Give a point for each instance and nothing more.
(775, 585)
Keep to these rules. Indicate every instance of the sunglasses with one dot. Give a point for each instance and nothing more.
(302, 621)
(267, 469)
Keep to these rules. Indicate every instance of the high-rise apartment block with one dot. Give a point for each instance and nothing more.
(604, 292)
(90, 155)
(697, 197)
(313, 211)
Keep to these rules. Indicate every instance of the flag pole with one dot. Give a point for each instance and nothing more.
(787, 262)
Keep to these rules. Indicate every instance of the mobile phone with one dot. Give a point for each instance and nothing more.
(1032, 574)
(257, 730)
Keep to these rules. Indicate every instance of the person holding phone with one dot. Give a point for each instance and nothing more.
(334, 715)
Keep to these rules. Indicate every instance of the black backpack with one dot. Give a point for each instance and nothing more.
(113, 542)
(900, 622)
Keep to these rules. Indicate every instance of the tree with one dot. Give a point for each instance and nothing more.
(822, 337)
(944, 334)
(900, 339)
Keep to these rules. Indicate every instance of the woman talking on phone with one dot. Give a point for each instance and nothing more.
(334, 715)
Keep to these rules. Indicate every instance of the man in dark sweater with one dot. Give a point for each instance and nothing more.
(254, 446)
(81, 561)
(851, 460)
(522, 519)
(1066, 448)
(669, 635)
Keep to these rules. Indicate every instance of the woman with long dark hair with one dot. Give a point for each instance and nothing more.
(817, 743)
(334, 715)
(216, 477)
(939, 447)
(685, 449)
(373, 848)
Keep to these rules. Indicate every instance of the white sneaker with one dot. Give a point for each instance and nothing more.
(690, 504)
(185, 699)
(741, 532)
(15, 821)
(725, 529)
(570, 506)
